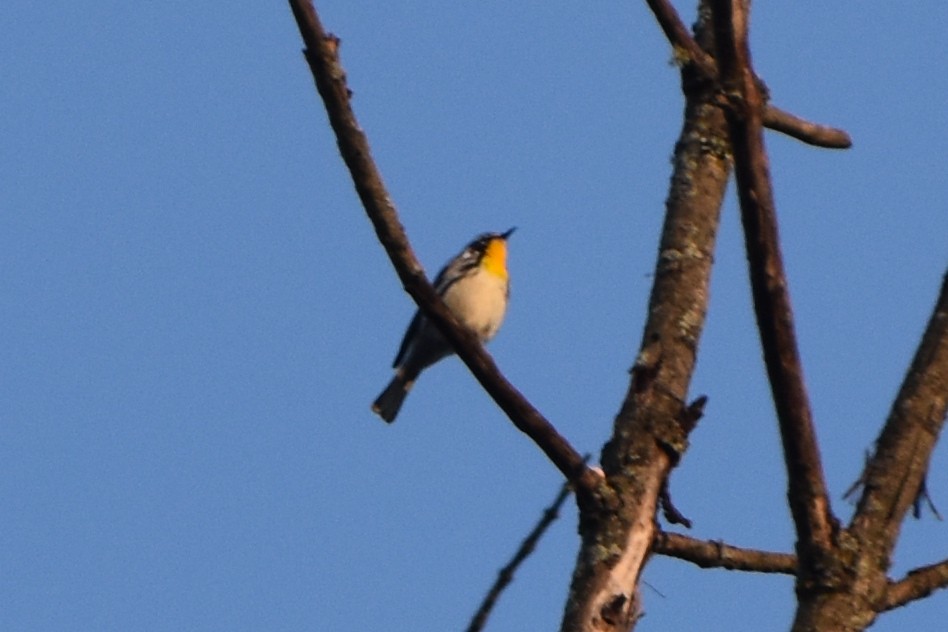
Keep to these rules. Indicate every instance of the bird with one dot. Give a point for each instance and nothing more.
(475, 287)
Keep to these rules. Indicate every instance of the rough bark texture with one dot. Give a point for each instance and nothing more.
(617, 523)
(842, 581)
(855, 589)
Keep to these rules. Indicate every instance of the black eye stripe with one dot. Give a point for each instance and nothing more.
(480, 244)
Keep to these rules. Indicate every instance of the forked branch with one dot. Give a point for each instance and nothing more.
(687, 50)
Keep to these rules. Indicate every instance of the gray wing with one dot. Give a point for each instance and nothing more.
(410, 333)
(446, 277)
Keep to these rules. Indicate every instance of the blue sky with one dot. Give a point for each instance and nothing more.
(196, 314)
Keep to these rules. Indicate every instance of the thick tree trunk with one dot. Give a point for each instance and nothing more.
(617, 524)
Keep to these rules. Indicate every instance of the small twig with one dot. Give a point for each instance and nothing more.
(322, 54)
(691, 414)
(859, 482)
(714, 554)
(917, 584)
(774, 118)
(688, 418)
(809, 501)
(806, 131)
(924, 498)
(671, 513)
(505, 576)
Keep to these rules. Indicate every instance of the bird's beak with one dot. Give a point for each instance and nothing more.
(508, 233)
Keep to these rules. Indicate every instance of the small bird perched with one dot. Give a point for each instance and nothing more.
(474, 286)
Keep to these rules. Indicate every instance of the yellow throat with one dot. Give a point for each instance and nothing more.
(495, 258)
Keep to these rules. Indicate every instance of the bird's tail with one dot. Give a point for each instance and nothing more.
(390, 401)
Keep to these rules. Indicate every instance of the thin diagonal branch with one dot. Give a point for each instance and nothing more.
(917, 584)
(688, 50)
(505, 576)
(322, 54)
(809, 502)
(715, 554)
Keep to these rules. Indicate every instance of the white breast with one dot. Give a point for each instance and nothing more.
(479, 301)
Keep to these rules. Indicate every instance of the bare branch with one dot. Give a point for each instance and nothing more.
(505, 576)
(687, 50)
(322, 54)
(651, 430)
(716, 554)
(917, 584)
(805, 131)
(895, 475)
(809, 502)
(680, 38)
